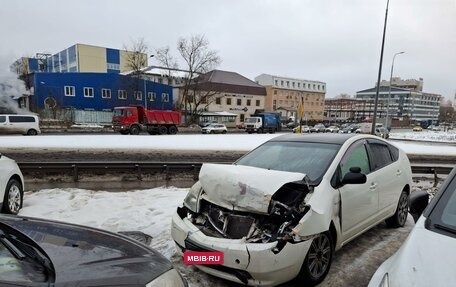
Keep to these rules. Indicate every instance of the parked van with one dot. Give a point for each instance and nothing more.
(19, 124)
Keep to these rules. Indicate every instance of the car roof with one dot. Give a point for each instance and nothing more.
(316, 138)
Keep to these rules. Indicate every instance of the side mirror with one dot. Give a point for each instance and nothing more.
(354, 176)
(418, 200)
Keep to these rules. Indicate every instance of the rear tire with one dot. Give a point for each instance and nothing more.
(162, 130)
(317, 262)
(400, 216)
(172, 130)
(12, 201)
(124, 132)
(224, 132)
(32, 132)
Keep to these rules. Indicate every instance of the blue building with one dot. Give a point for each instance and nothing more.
(97, 92)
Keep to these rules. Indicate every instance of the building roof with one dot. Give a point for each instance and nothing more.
(383, 89)
(229, 82)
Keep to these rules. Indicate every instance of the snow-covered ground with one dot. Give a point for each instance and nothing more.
(195, 142)
(425, 135)
(150, 210)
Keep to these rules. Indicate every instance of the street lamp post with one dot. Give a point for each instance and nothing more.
(389, 90)
(379, 71)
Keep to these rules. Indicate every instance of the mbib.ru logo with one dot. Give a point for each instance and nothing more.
(193, 257)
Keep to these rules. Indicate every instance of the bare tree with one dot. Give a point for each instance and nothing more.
(199, 59)
(136, 60)
(164, 57)
(136, 56)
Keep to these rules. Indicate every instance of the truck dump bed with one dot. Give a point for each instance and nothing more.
(159, 117)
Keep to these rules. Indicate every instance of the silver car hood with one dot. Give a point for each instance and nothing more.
(243, 188)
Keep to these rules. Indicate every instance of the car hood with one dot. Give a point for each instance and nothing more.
(89, 256)
(243, 188)
(423, 260)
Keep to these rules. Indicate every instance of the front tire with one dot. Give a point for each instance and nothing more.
(400, 216)
(134, 130)
(12, 201)
(317, 262)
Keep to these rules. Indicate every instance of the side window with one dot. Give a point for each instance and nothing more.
(2, 119)
(394, 152)
(356, 156)
(380, 155)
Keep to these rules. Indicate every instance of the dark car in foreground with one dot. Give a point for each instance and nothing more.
(37, 252)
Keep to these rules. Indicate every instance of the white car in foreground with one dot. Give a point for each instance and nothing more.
(11, 186)
(281, 211)
(426, 256)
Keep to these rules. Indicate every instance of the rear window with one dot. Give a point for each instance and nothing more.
(21, 119)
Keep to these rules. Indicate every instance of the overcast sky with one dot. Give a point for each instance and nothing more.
(334, 41)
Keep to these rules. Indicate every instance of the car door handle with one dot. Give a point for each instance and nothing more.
(373, 186)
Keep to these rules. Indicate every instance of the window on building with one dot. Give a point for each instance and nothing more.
(257, 103)
(88, 92)
(239, 102)
(122, 94)
(293, 84)
(228, 101)
(276, 82)
(165, 98)
(248, 102)
(69, 91)
(106, 93)
(242, 117)
(275, 92)
(299, 85)
(138, 95)
(152, 96)
(281, 83)
(218, 101)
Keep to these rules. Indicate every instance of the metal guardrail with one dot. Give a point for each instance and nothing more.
(168, 168)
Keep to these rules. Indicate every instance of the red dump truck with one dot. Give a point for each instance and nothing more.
(134, 119)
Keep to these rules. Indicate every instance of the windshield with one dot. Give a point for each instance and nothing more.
(119, 112)
(20, 261)
(250, 120)
(311, 159)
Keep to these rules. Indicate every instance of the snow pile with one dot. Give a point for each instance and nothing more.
(425, 136)
(148, 211)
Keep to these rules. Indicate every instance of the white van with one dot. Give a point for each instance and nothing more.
(20, 124)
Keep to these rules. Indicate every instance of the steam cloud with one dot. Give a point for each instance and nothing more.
(11, 88)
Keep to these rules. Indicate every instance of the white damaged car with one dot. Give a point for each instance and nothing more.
(281, 211)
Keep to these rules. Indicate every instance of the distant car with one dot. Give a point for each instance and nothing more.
(318, 128)
(38, 252)
(350, 129)
(206, 123)
(11, 186)
(214, 129)
(382, 132)
(291, 125)
(280, 212)
(434, 128)
(417, 129)
(301, 129)
(423, 258)
(332, 129)
(20, 124)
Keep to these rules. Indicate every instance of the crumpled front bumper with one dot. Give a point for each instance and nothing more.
(254, 264)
